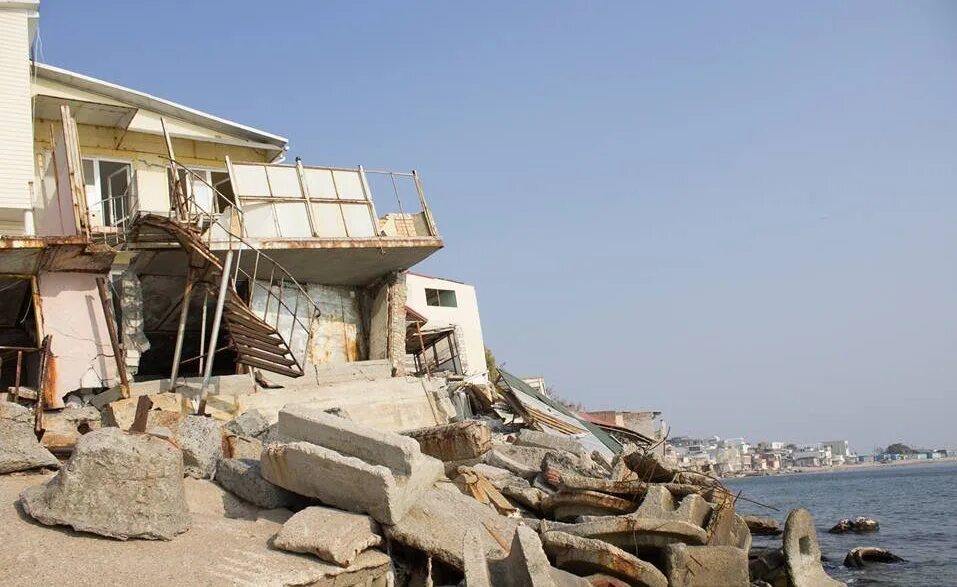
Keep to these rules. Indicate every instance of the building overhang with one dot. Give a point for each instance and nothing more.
(29, 255)
(356, 261)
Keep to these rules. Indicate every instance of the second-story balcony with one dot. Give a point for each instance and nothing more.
(333, 225)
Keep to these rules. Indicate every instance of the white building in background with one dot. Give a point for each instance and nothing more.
(840, 451)
(452, 306)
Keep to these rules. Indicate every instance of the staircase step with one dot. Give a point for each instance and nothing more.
(259, 353)
(257, 364)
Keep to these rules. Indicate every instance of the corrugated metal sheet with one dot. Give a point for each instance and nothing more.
(595, 438)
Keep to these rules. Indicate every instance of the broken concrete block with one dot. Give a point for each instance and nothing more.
(565, 463)
(273, 436)
(333, 535)
(660, 503)
(439, 520)
(250, 424)
(19, 448)
(347, 482)
(528, 437)
(525, 565)
(706, 566)
(569, 505)
(241, 447)
(633, 534)
(585, 556)
(529, 497)
(62, 428)
(524, 461)
(167, 411)
(243, 478)
(201, 440)
(116, 484)
(802, 552)
(310, 424)
(460, 441)
(762, 526)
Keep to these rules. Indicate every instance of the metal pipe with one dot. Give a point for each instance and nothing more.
(202, 334)
(181, 329)
(118, 353)
(214, 335)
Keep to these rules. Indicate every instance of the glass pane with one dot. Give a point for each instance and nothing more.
(349, 185)
(284, 182)
(358, 220)
(329, 221)
(293, 219)
(319, 182)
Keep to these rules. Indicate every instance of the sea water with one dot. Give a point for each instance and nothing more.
(916, 506)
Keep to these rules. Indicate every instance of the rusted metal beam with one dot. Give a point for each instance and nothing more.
(118, 353)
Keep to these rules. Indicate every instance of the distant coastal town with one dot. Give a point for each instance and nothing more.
(730, 457)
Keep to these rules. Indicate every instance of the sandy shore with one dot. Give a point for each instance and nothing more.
(850, 468)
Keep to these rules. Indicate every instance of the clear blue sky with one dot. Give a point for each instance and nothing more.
(741, 214)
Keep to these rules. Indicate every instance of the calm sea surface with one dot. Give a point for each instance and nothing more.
(915, 504)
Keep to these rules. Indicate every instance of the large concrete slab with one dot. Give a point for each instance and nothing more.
(228, 546)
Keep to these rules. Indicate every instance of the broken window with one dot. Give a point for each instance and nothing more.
(441, 297)
(209, 190)
(109, 186)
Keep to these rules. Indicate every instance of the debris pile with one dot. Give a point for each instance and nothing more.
(523, 493)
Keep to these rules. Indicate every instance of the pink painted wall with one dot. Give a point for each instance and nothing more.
(73, 315)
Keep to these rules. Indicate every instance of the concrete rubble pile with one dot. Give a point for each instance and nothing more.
(476, 501)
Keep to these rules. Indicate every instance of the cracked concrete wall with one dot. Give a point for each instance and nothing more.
(73, 315)
(132, 320)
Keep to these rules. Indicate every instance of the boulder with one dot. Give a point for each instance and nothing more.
(201, 440)
(860, 556)
(706, 566)
(243, 478)
(115, 484)
(241, 447)
(19, 448)
(857, 525)
(634, 534)
(802, 552)
(333, 535)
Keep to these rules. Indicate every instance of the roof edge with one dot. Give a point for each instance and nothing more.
(160, 105)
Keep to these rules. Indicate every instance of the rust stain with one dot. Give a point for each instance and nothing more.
(48, 386)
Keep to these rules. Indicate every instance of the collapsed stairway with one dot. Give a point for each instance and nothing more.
(257, 343)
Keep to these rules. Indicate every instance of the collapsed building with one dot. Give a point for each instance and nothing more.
(190, 237)
(182, 305)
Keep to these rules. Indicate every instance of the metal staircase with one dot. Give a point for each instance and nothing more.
(257, 343)
(270, 325)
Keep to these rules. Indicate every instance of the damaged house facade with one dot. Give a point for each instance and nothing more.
(145, 240)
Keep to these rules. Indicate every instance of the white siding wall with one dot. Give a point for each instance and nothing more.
(465, 316)
(16, 120)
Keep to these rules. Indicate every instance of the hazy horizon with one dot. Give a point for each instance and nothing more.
(741, 215)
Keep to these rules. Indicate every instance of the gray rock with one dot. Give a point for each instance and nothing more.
(333, 535)
(802, 552)
(762, 526)
(19, 448)
(706, 566)
(116, 484)
(243, 478)
(524, 461)
(201, 439)
(585, 556)
(460, 441)
(440, 519)
(566, 462)
(529, 437)
(251, 423)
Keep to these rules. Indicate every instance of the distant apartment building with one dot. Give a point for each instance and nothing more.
(449, 326)
(840, 451)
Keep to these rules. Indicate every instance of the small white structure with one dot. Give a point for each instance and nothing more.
(451, 304)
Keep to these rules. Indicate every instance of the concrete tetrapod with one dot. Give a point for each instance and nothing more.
(586, 556)
(802, 552)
